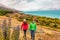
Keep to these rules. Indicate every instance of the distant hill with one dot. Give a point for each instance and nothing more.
(8, 9)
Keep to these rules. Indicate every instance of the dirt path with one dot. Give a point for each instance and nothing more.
(43, 34)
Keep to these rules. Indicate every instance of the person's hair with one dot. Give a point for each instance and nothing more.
(24, 20)
(33, 19)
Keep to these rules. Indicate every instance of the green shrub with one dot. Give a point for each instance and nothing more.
(4, 12)
(55, 25)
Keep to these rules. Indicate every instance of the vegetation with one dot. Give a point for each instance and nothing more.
(45, 21)
(3, 12)
(5, 31)
(15, 34)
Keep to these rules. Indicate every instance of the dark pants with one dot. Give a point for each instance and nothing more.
(32, 34)
(24, 33)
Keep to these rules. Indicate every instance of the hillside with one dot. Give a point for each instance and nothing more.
(41, 32)
(43, 24)
(53, 23)
(44, 21)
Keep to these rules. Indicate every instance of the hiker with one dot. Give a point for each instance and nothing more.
(32, 29)
(24, 26)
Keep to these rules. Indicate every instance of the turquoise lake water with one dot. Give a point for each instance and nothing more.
(47, 13)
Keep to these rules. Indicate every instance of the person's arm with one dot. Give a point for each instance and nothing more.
(30, 26)
(35, 26)
(27, 25)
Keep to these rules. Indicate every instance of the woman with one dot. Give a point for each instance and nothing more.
(24, 26)
(32, 29)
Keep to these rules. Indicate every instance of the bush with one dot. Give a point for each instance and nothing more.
(55, 25)
(4, 12)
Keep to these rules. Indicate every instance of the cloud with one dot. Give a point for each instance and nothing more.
(32, 5)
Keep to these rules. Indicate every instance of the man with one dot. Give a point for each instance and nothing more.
(32, 29)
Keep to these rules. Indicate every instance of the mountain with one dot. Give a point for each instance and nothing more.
(3, 7)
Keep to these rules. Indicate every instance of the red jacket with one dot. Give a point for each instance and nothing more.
(24, 26)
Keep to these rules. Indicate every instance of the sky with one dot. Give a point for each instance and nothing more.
(32, 5)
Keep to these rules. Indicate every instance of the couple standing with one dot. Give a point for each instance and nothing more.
(32, 28)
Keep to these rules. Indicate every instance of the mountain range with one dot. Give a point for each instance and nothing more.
(3, 7)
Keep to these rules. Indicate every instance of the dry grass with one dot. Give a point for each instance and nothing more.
(46, 34)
